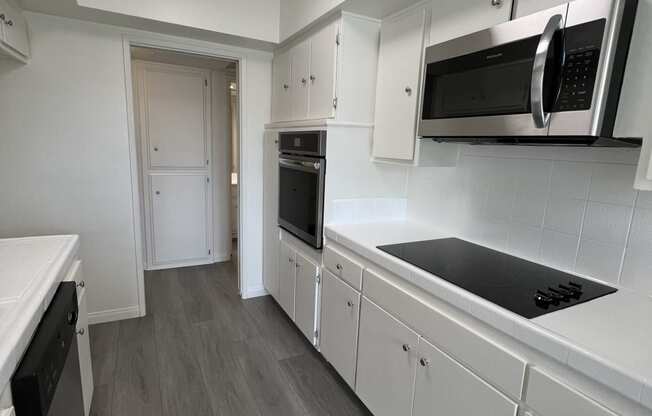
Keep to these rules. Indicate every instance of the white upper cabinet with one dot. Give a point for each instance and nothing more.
(332, 73)
(386, 362)
(397, 92)
(525, 7)
(299, 88)
(454, 18)
(444, 384)
(323, 58)
(281, 91)
(14, 40)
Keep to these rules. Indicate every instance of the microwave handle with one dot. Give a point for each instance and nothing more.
(541, 118)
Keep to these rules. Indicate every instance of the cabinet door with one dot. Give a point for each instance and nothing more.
(15, 28)
(386, 362)
(281, 90)
(84, 347)
(180, 221)
(305, 304)
(452, 18)
(176, 120)
(323, 59)
(525, 7)
(397, 92)
(300, 63)
(340, 315)
(270, 214)
(287, 278)
(444, 384)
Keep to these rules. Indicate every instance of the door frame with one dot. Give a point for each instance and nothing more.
(192, 47)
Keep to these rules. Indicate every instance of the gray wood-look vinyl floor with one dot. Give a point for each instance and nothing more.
(202, 350)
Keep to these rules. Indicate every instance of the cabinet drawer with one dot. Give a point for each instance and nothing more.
(486, 358)
(550, 397)
(340, 315)
(343, 267)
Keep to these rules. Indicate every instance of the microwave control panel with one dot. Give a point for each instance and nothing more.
(582, 57)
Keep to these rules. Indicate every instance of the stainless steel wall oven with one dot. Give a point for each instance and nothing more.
(302, 176)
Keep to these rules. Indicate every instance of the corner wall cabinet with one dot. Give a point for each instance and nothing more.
(14, 40)
(325, 73)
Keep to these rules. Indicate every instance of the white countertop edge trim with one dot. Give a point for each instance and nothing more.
(630, 385)
(29, 308)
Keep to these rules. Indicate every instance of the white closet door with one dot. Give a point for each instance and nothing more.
(176, 116)
(180, 226)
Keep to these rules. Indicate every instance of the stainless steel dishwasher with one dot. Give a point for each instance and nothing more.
(48, 380)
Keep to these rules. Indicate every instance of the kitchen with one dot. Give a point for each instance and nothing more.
(347, 157)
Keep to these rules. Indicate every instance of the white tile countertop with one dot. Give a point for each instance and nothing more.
(608, 339)
(30, 271)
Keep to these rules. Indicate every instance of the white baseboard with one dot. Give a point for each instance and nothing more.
(254, 292)
(113, 315)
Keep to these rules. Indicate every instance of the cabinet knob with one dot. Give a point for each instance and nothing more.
(286, 86)
(10, 22)
(424, 362)
(158, 192)
(291, 260)
(2, 17)
(313, 78)
(81, 331)
(406, 347)
(496, 3)
(304, 81)
(156, 149)
(408, 91)
(349, 303)
(81, 284)
(339, 267)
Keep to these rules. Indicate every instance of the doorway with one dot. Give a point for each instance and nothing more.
(184, 107)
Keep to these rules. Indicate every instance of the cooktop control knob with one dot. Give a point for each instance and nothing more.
(541, 299)
(570, 290)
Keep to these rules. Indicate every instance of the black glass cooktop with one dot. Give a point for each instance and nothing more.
(523, 287)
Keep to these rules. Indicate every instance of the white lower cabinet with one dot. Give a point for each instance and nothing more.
(287, 274)
(387, 359)
(83, 343)
(305, 303)
(340, 315)
(445, 385)
(551, 397)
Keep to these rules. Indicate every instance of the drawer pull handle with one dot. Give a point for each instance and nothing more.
(339, 267)
(349, 304)
(406, 347)
(81, 284)
(424, 362)
(81, 331)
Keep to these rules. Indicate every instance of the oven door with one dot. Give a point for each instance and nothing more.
(301, 197)
(502, 81)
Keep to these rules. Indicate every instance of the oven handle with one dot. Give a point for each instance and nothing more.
(300, 165)
(541, 118)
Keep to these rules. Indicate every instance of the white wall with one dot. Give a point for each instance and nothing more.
(297, 14)
(64, 153)
(257, 19)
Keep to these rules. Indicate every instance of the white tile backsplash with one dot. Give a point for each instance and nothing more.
(352, 211)
(613, 184)
(565, 215)
(599, 260)
(568, 208)
(607, 223)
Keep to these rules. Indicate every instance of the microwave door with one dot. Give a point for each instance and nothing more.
(480, 85)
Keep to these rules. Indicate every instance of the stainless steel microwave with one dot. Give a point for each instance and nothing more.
(553, 77)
